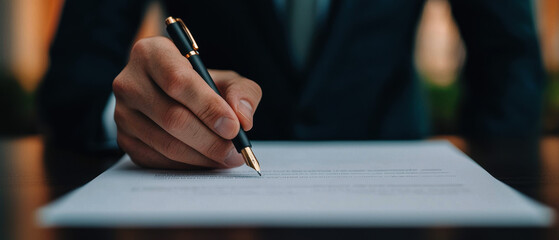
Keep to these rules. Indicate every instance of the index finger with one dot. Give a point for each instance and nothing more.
(173, 73)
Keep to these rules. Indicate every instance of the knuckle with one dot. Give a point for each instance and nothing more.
(173, 149)
(254, 88)
(121, 142)
(195, 131)
(119, 88)
(123, 88)
(176, 83)
(217, 150)
(125, 143)
(150, 141)
(141, 48)
(135, 151)
(146, 49)
(161, 42)
(247, 87)
(211, 111)
(175, 118)
(118, 115)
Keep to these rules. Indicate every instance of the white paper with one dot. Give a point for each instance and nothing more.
(306, 184)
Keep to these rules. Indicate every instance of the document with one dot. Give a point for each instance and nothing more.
(306, 184)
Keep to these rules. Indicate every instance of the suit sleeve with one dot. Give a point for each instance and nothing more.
(503, 75)
(89, 50)
(503, 82)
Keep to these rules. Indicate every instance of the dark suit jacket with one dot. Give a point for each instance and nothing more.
(360, 83)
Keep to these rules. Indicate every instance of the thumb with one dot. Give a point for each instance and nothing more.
(242, 94)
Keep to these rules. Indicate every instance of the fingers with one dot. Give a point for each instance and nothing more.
(136, 93)
(173, 73)
(133, 123)
(242, 94)
(167, 113)
(144, 156)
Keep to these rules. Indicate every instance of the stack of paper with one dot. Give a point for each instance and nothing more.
(353, 184)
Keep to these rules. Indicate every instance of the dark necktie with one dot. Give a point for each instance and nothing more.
(301, 26)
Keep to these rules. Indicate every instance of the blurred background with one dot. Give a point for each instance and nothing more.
(27, 28)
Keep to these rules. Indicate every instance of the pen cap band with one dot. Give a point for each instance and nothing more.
(191, 53)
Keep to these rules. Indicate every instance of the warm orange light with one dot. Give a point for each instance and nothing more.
(31, 39)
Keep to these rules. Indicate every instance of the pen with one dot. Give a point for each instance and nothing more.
(184, 41)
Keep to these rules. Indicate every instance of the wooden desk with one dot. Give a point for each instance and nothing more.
(31, 175)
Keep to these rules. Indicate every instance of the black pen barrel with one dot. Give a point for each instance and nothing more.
(199, 67)
(181, 41)
(241, 140)
(179, 38)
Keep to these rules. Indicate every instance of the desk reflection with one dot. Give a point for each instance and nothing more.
(34, 173)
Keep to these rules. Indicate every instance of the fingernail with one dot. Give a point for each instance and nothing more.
(234, 159)
(224, 126)
(245, 109)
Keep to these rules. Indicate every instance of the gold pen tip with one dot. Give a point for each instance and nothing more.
(250, 159)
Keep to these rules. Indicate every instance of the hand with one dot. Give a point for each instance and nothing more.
(168, 117)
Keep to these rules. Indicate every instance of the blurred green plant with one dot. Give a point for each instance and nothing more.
(551, 105)
(444, 100)
(443, 104)
(17, 115)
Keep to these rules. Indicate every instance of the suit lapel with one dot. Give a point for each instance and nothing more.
(322, 35)
(272, 29)
(271, 25)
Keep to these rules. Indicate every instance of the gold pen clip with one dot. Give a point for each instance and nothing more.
(171, 20)
(188, 34)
